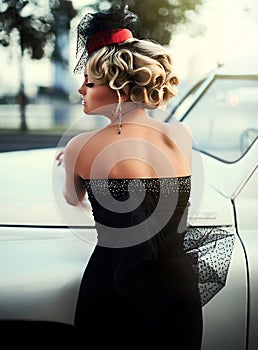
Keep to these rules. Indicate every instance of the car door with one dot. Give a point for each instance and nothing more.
(225, 316)
(246, 207)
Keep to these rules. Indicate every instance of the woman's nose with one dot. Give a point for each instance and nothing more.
(80, 90)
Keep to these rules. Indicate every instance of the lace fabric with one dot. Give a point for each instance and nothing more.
(211, 249)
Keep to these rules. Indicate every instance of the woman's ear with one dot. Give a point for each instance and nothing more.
(124, 96)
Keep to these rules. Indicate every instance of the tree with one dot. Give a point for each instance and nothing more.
(158, 18)
(34, 23)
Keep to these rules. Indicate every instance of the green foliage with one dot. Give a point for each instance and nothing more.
(158, 18)
(37, 23)
(62, 12)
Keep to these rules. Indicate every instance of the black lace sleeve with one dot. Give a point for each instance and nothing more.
(211, 249)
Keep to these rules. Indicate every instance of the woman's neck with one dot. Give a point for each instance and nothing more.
(130, 112)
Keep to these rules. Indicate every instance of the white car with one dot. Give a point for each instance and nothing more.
(46, 244)
(222, 112)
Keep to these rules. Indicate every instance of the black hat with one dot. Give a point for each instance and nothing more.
(99, 29)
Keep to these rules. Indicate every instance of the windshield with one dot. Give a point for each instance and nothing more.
(224, 121)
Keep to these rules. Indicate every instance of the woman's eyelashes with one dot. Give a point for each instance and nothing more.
(89, 85)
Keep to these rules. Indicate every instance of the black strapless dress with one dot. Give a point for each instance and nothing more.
(140, 283)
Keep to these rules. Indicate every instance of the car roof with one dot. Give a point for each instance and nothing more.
(239, 67)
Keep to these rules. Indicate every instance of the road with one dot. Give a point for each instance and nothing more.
(14, 140)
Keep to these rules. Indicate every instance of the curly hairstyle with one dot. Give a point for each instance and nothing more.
(140, 69)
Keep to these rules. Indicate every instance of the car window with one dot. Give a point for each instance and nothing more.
(183, 104)
(224, 121)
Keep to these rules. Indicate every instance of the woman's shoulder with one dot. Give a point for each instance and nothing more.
(175, 125)
(79, 140)
(173, 128)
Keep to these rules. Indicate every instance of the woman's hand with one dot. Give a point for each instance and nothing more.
(60, 158)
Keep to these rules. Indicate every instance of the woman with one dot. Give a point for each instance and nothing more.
(136, 172)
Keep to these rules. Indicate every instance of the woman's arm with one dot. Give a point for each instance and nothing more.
(74, 191)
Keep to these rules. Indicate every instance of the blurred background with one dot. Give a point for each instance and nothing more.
(38, 89)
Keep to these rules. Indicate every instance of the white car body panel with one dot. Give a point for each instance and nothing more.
(40, 273)
(250, 239)
(247, 220)
(226, 313)
(18, 189)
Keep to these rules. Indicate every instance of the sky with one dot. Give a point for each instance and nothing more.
(229, 30)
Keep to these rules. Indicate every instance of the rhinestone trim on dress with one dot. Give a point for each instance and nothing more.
(163, 186)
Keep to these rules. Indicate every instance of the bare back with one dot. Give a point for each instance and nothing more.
(143, 150)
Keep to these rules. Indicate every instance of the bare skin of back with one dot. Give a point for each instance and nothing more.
(146, 148)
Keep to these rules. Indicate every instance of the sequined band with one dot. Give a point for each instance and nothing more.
(108, 37)
(163, 186)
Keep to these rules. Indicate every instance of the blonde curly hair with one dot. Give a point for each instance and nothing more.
(139, 69)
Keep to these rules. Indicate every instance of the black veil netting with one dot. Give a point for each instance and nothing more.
(93, 23)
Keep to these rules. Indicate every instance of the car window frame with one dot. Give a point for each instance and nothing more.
(204, 85)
